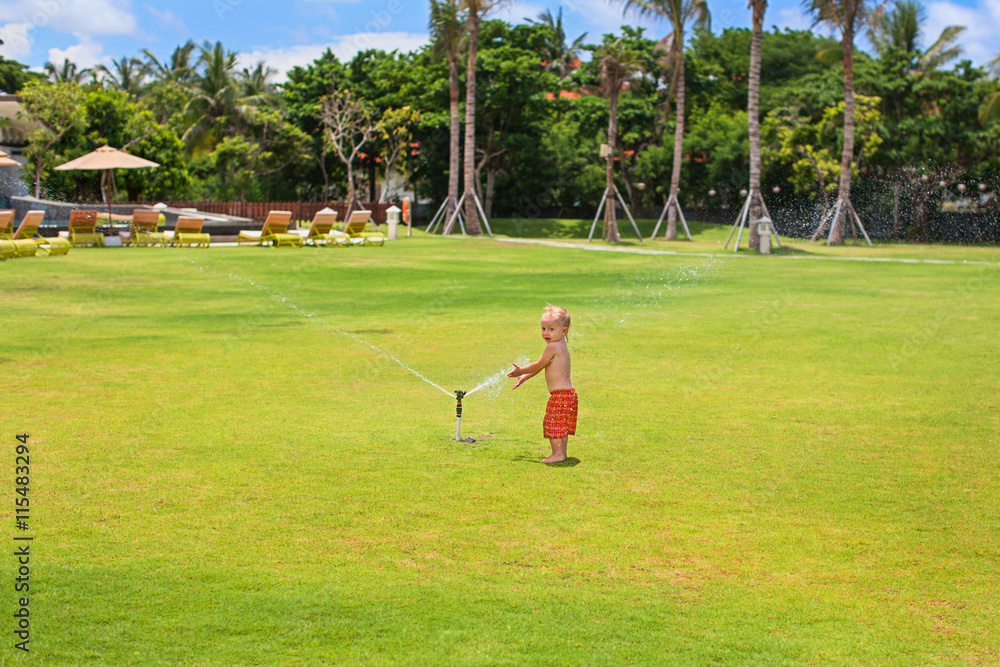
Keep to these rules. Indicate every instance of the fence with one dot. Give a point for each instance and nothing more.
(257, 210)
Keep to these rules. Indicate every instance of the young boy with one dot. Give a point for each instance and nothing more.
(560, 413)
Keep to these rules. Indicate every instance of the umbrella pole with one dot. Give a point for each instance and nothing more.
(107, 200)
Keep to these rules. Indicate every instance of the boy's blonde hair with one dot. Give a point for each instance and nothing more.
(558, 314)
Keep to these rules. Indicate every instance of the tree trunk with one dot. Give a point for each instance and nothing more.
(471, 216)
(675, 175)
(847, 156)
(610, 221)
(350, 192)
(456, 129)
(753, 114)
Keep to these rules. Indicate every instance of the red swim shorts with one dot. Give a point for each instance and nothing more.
(560, 414)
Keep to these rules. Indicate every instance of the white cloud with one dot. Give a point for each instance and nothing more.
(344, 47)
(979, 41)
(78, 17)
(85, 54)
(168, 20)
(16, 39)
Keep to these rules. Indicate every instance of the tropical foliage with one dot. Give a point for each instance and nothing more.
(542, 110)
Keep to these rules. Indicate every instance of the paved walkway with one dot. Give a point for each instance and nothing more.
(643, 251)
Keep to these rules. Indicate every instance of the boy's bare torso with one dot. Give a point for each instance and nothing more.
(557, 370)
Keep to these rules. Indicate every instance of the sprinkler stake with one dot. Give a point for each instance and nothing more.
(459, 395)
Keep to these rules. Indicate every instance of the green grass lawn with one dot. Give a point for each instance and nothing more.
(778, 461)
(708, 237)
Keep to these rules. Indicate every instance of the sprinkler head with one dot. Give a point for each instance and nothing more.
(459, 395)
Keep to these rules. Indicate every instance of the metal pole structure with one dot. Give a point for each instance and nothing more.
(833, 220)
(600, 208)
(434, 220)
(628, 213)
(451, 222)
(479, 207)
(672, 199)
(663, 214)
(738, 223)
(858, 220)
(680, 214)
(822, 223)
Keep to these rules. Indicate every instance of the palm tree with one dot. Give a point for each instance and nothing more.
(559, 58)
(848, 16)
(679, 13)
(256, 88)
(991, 104)
(125, 75)
(219, 98)
(759, 7)
(902, 28)
(448, 36)
(475, 11)
(66, 72)
(617, 65)
(178, 69)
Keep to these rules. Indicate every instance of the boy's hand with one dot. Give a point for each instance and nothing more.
(514, 373)
(520, 381)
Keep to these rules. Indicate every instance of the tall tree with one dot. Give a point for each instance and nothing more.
(617, 65)
(475, 11)
(349, 126)
(990, 109)
(59, 109)
(758, 7)
(68, 71)
(395, 132)
(903, 28)
(560, 59)
(125, 75)
(849, 17)
(448, 36)
(679, 13)
(178, 69)
(222, 98)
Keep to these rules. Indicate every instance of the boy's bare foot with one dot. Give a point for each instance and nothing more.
(554, 458)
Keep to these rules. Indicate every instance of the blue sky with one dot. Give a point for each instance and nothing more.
(295, 32)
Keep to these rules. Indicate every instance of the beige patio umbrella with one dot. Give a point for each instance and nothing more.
(107, 158)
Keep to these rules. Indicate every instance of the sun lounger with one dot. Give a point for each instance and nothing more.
(321, 230)
(355, 230)
(144, 229)
(187, 231)
(6, 224)
(274, 231)
(83, 229)
(27, 232)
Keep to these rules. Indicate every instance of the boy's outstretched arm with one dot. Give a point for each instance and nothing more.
(525, 373)
(521, 377)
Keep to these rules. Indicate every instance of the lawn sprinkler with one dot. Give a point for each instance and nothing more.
(459, 395)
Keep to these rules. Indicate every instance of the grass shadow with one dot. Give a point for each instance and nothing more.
(570, 462)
